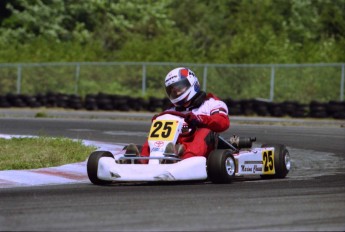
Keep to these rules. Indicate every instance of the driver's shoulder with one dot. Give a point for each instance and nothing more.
(212, 104)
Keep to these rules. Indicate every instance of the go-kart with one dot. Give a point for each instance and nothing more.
(229, 159)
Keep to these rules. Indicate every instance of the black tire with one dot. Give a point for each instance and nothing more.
(221, 166)
(92, 166)
(282, 161)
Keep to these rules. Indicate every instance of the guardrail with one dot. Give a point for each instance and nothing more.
(272, 82)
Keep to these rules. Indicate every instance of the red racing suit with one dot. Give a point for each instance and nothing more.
(213, 114)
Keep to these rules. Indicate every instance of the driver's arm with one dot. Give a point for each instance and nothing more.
(217, 122)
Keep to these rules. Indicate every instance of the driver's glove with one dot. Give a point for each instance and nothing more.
(193, 120)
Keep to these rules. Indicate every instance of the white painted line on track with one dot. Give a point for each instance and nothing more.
(65, 174)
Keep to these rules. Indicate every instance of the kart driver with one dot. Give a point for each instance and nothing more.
(204, 111)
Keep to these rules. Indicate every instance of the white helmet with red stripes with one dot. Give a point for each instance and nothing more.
(181, 85)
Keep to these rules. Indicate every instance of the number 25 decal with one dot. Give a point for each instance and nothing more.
(268, 162)
(163, 130)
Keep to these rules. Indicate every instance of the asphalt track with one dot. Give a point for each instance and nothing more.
(311, 198)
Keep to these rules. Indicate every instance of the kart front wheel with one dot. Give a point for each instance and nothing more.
(282, 163)
(92, 167)
(221, 166)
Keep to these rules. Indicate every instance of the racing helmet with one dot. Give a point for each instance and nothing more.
(181, 85)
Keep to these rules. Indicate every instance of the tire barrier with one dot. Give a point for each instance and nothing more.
(113, 102)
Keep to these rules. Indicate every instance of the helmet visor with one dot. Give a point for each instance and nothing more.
(178, 88)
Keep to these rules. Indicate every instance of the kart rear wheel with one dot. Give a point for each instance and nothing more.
(221, 166)
(92, 167)
(282, 163)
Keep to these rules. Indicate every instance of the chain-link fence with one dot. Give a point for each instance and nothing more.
(274, 82)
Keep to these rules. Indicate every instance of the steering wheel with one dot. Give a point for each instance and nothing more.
(182, 115)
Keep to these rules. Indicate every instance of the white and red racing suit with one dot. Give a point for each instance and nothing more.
(213, 114)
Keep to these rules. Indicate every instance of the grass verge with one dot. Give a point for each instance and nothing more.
(41, 152)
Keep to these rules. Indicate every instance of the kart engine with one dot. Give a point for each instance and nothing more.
(242, 142)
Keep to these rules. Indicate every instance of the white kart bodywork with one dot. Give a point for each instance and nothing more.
(188, 169)
(249, 162)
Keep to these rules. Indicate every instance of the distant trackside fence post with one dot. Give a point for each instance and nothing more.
(342, 82)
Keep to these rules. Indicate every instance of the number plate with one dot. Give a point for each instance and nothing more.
(163, 130)
(268, 162)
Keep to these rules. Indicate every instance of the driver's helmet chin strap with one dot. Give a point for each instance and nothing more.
(196, 102)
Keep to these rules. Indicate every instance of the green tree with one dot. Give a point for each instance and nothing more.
(207, 31)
